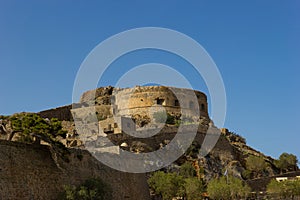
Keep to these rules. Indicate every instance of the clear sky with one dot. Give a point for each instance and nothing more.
(255, 45)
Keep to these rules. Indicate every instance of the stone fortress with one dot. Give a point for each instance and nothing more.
(116, 106)
(106, 118)
(130, 110)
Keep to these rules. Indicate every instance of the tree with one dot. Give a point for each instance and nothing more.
(30, 128)
(227, 188)
(218, 189)
(31, 124)
(91, 189)
(187, 170)
(193, 188)
(285, 189)
(168, 185)
(287, 162)
(255, 164)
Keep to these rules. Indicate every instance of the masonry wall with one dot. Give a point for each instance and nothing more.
(150, 99)
(61, 113)
(34, 172)
(138, 100)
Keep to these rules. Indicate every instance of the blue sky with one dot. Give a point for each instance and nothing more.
(255, 45)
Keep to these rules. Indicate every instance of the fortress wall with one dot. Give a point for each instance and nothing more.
(91, 95)
(150, 99)
(61, 113)
(34, 172)
(139, 100)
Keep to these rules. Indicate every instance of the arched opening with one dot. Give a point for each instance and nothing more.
(176, 103)
(202, 107)
(160, 101)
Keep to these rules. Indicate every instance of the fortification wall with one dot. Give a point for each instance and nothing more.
(142, 100)
(61, 113)
(150, 99)
(35, 172)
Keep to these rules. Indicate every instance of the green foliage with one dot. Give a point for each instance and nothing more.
(187, 170)
(69, 192)
(3, 117)
(91, 189)
(29, 123)
(193, 188)
(185, 120)
(227, 188)
(285, 189)
(218, 189)
(255, 164)
(287, 162)
(193, 150)
(163, 117)
(246, 174)
(168, 185)
(56, 128)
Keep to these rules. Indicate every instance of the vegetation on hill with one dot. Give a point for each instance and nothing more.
(91, 189)
(287, 162)
(170, 185)
(255, 165)
(288, 189)
(226, 188)
(30, 127)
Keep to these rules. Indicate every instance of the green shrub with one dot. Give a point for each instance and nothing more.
(168, 185)
(255, 163)
(287, 162)
(29, 123)
(227, 188)
(91, 189)
(246, 174)
(193, 188)
(288, 189)
(187, 170)
(193, 150)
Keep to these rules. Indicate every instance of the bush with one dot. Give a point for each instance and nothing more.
(227, 188)
(187, 170)
(27, 124)
(285, 189)
(193, 188)
(91, 189)
(255, 164)
(287, 162)
(246, 174)
(193, 150)
(168, 185)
